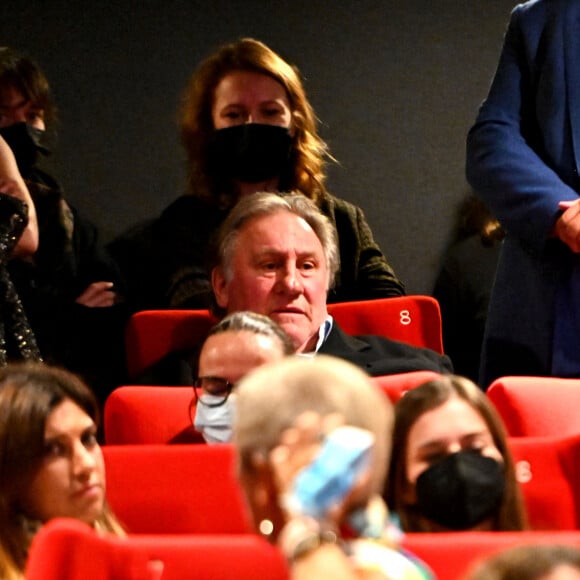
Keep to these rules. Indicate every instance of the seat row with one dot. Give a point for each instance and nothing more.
(187, 518)
(151, 335)
(165, 414)
(69, 549)
(180, 489)
(529, 406)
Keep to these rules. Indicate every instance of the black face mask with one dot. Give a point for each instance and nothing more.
(26, 143)
(462, 490)
(250, 153)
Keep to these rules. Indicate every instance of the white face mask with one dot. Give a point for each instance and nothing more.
(215, 423)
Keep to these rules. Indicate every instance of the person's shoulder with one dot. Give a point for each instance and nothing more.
(538, 11)
(393, 346)
(536, 6)
(382, 355)
(187, 208)
(345, 215)
(42, 178)
(404, 357)
(134, 234)
(370, 555)
(181, 203)
(338, 204)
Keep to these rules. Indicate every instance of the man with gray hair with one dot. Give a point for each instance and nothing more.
(277, 255)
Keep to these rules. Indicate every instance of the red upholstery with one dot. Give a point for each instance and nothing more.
(152, 334)
(147, 414)
(69, 549)
(548, 470)
(537, 406)
(412, 319)
(451, 555)
(176, 489)
(204, 495)
(215, 557)
(395, 386)
(156, 415)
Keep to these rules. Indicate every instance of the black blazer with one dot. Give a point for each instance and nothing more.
(381, 356)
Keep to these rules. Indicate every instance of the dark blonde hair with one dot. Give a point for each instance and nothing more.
(196, 123)
(530, 562)
(29, 392)
(431, 395)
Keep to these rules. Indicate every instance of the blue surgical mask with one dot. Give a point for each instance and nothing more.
(215, 423)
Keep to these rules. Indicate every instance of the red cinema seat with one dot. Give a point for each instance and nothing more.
(72, 550)
(451, 555)
(153, 334)
(395, 386)
(67, 548)
(537, 406)
(548, 470)
(150, 415)
(412, 319)
(143, 414)
(176, 489)
(215, 557)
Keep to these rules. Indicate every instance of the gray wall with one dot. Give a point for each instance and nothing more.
(396, 84)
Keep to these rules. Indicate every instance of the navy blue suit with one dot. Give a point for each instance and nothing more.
(523, 156)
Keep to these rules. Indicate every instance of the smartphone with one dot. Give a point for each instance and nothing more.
(344, 456)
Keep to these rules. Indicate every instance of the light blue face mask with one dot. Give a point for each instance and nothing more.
(215, 423)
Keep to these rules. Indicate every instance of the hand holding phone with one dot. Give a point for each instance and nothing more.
(344, 456)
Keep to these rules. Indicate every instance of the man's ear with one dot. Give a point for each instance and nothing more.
(220, 287)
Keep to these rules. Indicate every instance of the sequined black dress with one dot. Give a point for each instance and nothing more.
(17, 341)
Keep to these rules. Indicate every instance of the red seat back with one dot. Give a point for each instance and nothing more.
(537, 406)
(451, 555)
(66, 548)
(395, 386)
(150, 414)
(70, 549)
(176, 489)
(215, 557)
(548, 470)
(152, 334)
(412, 319)
(138, 414)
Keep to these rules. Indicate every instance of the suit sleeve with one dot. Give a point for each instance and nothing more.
(508, 163)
